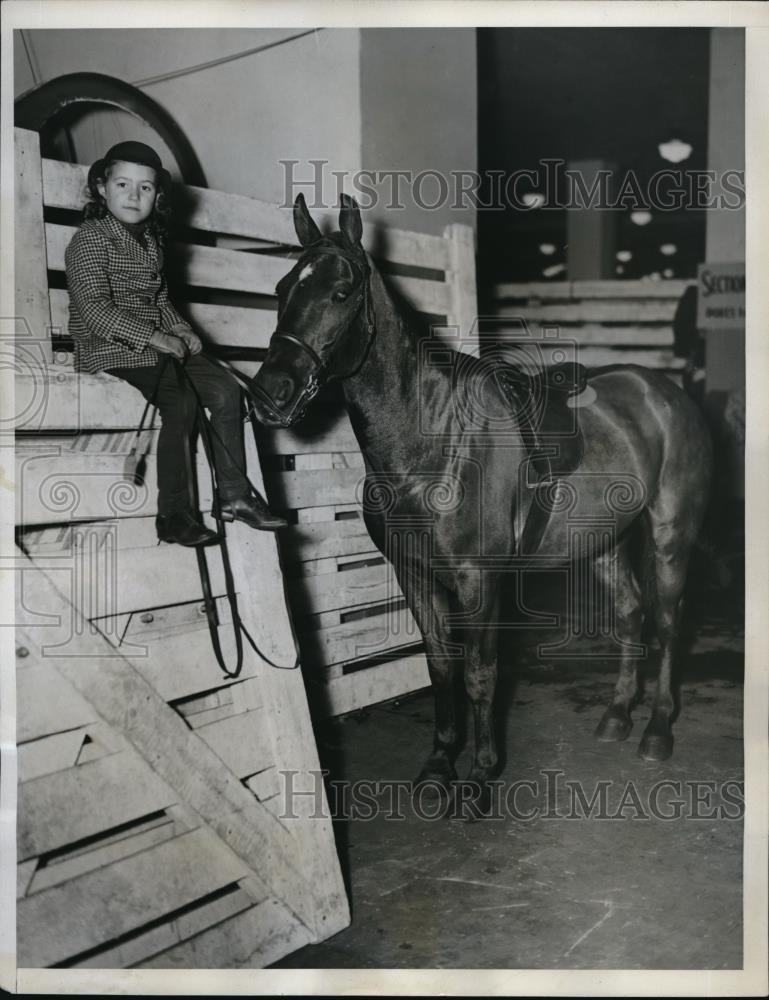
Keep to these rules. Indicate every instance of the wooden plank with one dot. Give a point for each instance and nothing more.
(316, 436)
(46, 703)
(586, 311)
(374, 684)
(461, 280)
(61, 485)
(146, 835)
(642, 335)
(62, 400)
(348, 589)
(239, 215)
(209, 267)
(159, 940)
(25, 870)
(226, 326)
(56, 752)
(324, 539)
(434, 297)
(253, 939)
(68, 919)
(672, 288)
(596, 357)
(70, 805)
(32, 310)
(243, 742)
(360, 638)
(314, 489)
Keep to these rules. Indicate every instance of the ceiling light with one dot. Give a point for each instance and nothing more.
(668, 272)
(550, 272)
(619, 269)
(674, 150)
(547, 248)
(533, 199)
(668, 249)
(624, 256)
(641, 218)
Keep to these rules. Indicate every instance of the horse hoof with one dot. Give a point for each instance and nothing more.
(435, 779)
(656, 746)
(472, 801)
(613, 727)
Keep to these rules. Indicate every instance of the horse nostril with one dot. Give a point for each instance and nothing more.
(284, 389)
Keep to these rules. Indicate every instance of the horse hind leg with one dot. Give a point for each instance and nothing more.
(614, 570)
(671, 541)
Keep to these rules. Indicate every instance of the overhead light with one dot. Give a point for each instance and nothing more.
(534, 199)
(674, 150)
(654, 276)
(619, 269)
(624, 256)
(668, 272)
(550, 272)
(547, 249)
(668, 249)
(642, 218)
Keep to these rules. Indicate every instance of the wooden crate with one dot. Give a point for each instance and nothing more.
(150, 786)
(610, 322)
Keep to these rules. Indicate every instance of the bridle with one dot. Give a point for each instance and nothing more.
(318, 364)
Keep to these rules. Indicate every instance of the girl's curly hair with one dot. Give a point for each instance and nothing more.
(160, 219)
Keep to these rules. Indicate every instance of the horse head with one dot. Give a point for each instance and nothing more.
(324, 326)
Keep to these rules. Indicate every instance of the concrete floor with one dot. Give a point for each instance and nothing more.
(584, 893)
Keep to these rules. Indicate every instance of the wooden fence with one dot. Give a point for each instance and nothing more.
(611, 322)
(146, 776)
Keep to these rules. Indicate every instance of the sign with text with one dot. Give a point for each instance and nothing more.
(721, 296)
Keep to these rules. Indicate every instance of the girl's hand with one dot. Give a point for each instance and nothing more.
(191, 339)
(166, 343)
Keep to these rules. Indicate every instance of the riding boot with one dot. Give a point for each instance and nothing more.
(251, 510)
(183, 528)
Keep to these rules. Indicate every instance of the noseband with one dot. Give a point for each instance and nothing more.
(318, 364)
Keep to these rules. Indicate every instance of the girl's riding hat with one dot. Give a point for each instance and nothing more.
(130, 152)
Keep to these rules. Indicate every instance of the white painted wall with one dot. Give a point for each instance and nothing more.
(299, 100)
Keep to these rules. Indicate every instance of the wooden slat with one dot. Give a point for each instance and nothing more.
(596, 357)
(225, 326)
(253, 939)
(209, 267)
(641, 335)
(314, 489)
(63, 921)
(243, 742)
(238, 215)
(32, 309)
(46, 703)
(348, 589)
(318, 435)
(374, 684)
(53, 400)
(60, 808)
(672, 288)
(361, 638)
(432, 297)
(323, 539)
(159, 940)
(461, 284)
(56, 752)
(614, 311)
(62, 485)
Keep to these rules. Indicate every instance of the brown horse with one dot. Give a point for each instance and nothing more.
(445, 492)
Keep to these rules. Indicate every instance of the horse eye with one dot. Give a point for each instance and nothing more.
(341, 294)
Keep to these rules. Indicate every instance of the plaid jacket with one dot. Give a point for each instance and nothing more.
(117, 296)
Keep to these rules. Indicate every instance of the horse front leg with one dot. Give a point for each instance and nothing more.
(429, 603)
(481, 645)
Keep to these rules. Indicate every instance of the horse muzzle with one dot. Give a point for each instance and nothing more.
(278, 401)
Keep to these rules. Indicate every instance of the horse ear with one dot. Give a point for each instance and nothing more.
(304, 225)
(349, 220)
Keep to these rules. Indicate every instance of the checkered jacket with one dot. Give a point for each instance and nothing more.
(117, 296)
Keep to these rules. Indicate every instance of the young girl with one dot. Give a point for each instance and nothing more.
(124, 323)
